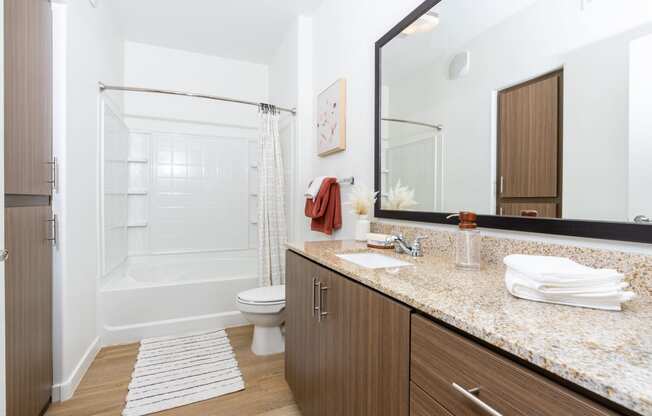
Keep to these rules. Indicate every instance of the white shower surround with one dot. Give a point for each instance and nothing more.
(192, 245)
(157, 295)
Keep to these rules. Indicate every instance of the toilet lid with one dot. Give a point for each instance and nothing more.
(268, 294)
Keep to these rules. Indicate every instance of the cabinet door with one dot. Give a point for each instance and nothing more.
(302, 337)
(28, 97)
(366, 343)
(28, 310)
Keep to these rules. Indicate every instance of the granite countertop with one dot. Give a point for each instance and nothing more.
(608, 353)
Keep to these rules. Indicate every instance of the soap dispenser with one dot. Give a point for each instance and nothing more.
(467, 242)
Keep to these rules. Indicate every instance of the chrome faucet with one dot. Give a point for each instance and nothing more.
(402, 246)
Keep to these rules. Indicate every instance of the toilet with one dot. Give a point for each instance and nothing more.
(264, 307)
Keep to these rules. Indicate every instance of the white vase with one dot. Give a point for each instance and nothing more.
(362, 228)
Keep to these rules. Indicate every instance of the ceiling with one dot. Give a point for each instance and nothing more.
(248, 30)
(460, 22)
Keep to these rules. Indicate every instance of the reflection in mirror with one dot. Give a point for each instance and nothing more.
(539, 108)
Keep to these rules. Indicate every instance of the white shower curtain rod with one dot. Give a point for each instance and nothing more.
(438, 127)
(104, 87)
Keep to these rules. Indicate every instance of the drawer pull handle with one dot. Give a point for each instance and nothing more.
(314, 307)
(469, 394)
(322, 313)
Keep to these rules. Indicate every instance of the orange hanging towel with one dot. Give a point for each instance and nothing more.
(326, 209)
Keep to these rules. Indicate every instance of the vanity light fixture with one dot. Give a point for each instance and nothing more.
(424, 24)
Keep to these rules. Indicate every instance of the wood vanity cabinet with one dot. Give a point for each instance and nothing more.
(351, 351)
(446, 368)
(347, 346)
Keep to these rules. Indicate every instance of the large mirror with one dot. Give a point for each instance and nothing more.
(523, 110)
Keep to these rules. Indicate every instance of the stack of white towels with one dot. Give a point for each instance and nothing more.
(562, 281)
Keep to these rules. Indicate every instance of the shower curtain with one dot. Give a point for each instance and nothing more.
(272, 232)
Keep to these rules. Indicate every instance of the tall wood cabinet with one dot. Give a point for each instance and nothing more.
(29, 177)
(347, 346)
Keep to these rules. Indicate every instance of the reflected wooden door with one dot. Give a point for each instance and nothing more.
(530, 145)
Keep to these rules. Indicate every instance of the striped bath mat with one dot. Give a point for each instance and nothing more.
(177, 371)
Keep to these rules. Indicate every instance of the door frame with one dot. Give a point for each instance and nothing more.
(560, 142)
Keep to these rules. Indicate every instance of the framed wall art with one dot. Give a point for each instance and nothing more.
(331, 119)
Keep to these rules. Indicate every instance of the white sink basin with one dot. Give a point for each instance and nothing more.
(373, 260)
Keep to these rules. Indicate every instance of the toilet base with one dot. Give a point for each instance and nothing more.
(268, 340)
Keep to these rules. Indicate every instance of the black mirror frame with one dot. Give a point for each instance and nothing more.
(622, 231)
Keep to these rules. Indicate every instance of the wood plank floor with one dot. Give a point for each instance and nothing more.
(103, 389)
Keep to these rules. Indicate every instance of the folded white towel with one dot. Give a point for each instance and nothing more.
(560, 271)
(607, 298)
(571, 286)
(566, 290)
(313, 187)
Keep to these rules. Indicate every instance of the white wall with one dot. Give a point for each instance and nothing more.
(92, 52)
(291, 86)
(173, 69)
(640, 127)
(344, 33)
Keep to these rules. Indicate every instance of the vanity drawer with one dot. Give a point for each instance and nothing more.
(446, 366)
(423, 405)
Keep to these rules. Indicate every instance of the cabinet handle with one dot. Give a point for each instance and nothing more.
(54, 172)
(314, 285)
(470, 395)
(53, 224)
(322, 313)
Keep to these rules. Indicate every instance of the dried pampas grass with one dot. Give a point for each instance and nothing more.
(361, 199)
(400, 197)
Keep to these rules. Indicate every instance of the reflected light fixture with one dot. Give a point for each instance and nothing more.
(424, 24)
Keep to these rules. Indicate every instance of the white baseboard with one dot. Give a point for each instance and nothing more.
(119, 335)
(64, 391)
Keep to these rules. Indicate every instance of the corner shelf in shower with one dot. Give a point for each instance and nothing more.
(137, 192)
(137, 160)
(138, 224)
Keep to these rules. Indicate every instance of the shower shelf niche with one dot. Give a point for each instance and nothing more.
(137, 192)
(137, 224)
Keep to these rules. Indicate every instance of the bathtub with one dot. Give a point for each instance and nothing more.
(158, 295)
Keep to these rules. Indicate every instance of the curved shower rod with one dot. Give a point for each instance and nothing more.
(104, 87)
(437, 127)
